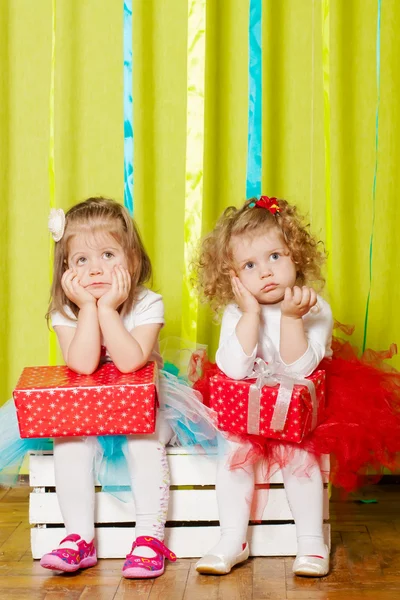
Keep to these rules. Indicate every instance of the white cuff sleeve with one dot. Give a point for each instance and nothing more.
(232, 359)
(307, 363)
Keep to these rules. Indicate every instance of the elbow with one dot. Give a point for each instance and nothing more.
(298, 368)
(237, 375)
(83, 370)
(303, 366)
(309, 371)
(306, 372)
(232, 372)
(126, 369)
(129, 367)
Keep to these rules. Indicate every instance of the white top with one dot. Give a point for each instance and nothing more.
(148, 309)
(233, 361)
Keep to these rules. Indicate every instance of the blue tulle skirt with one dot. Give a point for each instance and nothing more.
(191, 424)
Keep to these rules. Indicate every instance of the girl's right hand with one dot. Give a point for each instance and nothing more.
(74, 291)
(244, 299)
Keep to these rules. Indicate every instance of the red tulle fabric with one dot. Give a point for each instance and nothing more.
(361, 429)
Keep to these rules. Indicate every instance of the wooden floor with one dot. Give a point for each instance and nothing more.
(365, 563)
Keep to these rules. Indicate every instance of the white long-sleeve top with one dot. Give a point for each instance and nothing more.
(236, 364)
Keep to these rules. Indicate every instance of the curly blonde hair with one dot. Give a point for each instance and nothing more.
(215, 260)
(96, 215)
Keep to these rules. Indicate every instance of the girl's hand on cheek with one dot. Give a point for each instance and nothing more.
(297, 302)
(244, 299)
(74, 290)
(119, 291)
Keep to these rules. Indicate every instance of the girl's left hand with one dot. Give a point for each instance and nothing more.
(120, 287)
(298, 301)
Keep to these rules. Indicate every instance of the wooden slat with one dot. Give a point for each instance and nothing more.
(271, 577)
(186, 469)
(200, 587)
(139, 589)
(365, 564)
(239, 584)
(184, 505)
(115, 542)
(171, 586)
(15, 546)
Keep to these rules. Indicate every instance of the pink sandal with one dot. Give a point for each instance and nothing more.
(141, 567)
(68, 560)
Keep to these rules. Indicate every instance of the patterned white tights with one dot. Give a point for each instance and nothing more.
(149, 474)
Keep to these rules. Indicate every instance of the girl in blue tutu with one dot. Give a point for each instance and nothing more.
(101, 311)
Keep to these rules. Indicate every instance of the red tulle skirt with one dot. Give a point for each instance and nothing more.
(361, 428)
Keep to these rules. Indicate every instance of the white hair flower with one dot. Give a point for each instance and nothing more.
(56, 223)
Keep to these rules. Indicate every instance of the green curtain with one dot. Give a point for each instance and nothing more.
(89, 143)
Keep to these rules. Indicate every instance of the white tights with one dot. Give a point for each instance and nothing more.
(149, 474)
(235, 490)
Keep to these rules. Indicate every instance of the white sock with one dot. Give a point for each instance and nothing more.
(73, 469)
(235, 489)
(305, 496)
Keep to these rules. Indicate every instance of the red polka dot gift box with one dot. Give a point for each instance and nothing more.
(273, 406)
(57, 402)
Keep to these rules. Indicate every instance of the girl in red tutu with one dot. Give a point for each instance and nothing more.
(263, 266)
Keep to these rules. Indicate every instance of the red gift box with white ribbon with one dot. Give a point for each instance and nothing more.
(272, 405)
(57, 402)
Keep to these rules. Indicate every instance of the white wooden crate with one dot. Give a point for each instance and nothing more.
(192, 512)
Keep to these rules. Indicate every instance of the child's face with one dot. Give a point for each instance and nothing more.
(264, 265)
(93, 258)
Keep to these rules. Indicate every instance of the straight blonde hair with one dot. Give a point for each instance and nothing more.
(96, 215)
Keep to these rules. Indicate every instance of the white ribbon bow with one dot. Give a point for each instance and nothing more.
(266, 374)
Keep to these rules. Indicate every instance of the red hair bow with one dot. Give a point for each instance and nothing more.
(270, 204)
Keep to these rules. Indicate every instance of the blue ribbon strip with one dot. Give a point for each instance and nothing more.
(128, 108)
(378, 100)
(253, 179)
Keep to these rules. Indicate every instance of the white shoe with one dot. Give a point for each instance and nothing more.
(311, 566)
(214, 564)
